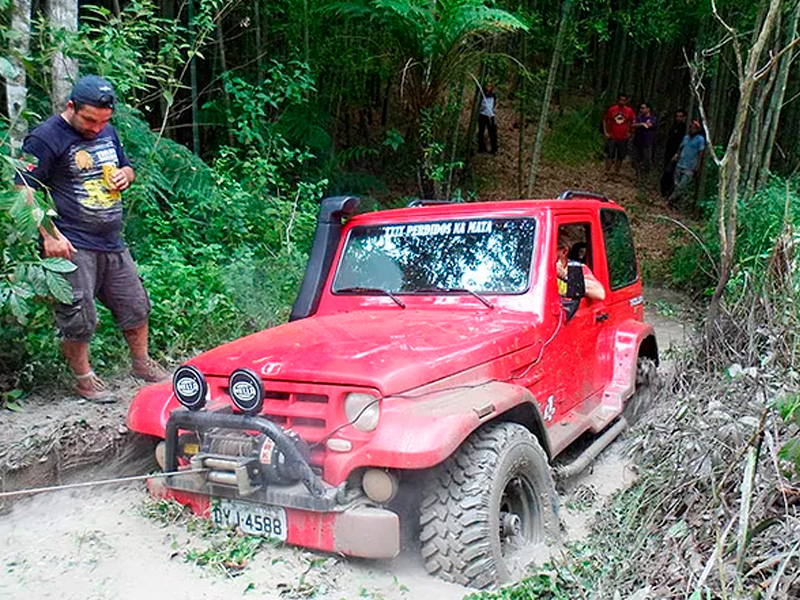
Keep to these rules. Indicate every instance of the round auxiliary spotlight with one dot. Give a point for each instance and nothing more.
(246, 391)
(190, 386)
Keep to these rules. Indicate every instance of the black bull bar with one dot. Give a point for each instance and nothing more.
(192, 421)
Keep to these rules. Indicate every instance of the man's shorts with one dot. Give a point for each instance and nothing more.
(616, 149)
(111, 277)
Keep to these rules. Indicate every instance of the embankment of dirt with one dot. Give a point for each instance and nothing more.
(57, 439)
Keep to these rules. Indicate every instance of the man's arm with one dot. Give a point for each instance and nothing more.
(699, 164)
(54, 243)
(594, 289)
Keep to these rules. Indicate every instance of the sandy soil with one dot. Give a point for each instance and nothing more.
(98, 544)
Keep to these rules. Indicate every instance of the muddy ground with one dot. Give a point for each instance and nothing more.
(98, 543)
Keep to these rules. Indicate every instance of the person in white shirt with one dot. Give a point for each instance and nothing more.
(486, 120)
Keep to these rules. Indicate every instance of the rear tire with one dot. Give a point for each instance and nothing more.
(647, 384)
(489, 508)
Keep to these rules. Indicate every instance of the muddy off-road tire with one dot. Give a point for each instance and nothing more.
(647, 384)
(488, 508)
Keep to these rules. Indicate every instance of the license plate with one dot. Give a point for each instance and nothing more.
(252, 519)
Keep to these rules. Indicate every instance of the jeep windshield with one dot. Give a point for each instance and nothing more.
(483, 256)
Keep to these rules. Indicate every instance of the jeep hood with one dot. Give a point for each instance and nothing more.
(389, 352)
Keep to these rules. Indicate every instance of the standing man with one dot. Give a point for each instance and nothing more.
(617, 128)
(689, 159)
(644, 128)
(486, 120)
(674, 138)
(79, 160)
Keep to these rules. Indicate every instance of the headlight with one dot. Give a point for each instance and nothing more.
(247, 391)
(362, 410)
(190, 387)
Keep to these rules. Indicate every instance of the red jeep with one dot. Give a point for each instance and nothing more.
(432, 345)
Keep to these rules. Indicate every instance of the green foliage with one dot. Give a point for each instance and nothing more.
(548, 583)
(761, 219)
(25, 277)
(789, 410)
(437, 42)
(230, 554)
(138, 51)
(223, 246)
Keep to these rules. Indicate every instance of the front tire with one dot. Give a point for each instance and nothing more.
(488, 508)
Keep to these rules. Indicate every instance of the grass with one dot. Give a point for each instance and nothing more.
(573, 139)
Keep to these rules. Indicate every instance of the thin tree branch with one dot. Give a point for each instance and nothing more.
(696, 86)
(696, 238)
(737, 49)
(774, 59)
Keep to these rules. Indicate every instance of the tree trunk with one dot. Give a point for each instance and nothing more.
(730, 169)
(193, 78)
(63, 15)
(618, 64)
(259, 43)
(521, 117)
(776, 102)
(17, 86)
(223, 63)
(548, 93)
(455, 126)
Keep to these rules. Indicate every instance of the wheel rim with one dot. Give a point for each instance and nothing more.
(519, 523)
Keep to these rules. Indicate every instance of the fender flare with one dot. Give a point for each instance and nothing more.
(421, 432)
(631, 340)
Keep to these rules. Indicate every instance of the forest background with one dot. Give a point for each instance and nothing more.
(240, 116)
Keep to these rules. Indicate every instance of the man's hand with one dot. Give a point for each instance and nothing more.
(561, 269)
(122, 178)
(56, 246)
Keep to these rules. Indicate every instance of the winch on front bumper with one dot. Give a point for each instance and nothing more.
(260, 479)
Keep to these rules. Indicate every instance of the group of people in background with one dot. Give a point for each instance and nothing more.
(683, 152)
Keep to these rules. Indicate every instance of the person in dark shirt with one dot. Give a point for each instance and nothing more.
(674, 138)
(644, 128)
(78, 159)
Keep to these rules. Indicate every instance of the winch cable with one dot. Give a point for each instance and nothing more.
(88, 484)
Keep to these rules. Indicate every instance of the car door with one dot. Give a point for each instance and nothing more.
(576, 345)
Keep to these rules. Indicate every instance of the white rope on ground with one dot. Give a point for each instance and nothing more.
(86, 484)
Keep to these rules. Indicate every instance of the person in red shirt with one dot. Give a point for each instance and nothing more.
(617, 128)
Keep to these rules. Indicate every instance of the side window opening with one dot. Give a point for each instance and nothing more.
(622, 266)
(578, 237)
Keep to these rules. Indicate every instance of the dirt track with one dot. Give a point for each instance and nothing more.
(97, 544)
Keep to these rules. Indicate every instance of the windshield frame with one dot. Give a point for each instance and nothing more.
(453, 291)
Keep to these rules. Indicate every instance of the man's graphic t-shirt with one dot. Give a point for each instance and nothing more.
(618, 122)
(77, 173)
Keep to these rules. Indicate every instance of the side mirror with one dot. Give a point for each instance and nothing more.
(576, 288)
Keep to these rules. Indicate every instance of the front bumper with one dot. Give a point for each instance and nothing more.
(318, 515)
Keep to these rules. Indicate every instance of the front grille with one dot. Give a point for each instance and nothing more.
(305, 414)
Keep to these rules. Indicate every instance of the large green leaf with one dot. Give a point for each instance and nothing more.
(34, 275)
(19, 308)
(59, 265)
(59, 287)
(7, 70)
(22, 289)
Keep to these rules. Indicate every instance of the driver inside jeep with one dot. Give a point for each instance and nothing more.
(594, 289)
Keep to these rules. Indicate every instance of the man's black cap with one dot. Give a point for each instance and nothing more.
(94, 91)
